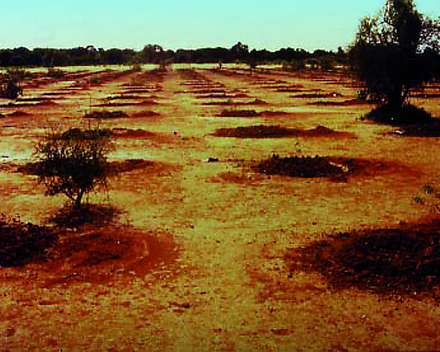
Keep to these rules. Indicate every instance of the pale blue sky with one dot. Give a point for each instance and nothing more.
(271, 24)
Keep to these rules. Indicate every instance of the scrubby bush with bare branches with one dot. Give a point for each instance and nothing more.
(74, 162)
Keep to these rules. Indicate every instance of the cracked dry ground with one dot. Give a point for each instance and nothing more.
(222, 283)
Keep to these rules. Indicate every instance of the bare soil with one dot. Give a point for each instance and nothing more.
(181, 254)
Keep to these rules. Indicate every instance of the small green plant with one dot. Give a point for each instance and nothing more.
(74, 162)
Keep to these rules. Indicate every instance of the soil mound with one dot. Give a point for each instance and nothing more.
(317, 95)
(21, 243)
(231, 102)
(391, 261)
(98, 255)
(407, 115)
(238, 113)
(348, 102)
(429, 129)
(260, 131)
(300, 166)
(128, 133)
(146, 113)
(104, 114)
(47, 103)
(18, 113)
(337, 168)
(263, 131)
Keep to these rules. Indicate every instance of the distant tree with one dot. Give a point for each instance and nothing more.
(391, 54)
(152, 53)
(10, 87)
(240, 51)
(73, 162)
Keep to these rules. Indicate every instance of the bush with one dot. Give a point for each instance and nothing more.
(74, 162)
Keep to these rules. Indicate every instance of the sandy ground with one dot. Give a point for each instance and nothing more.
(222, 283)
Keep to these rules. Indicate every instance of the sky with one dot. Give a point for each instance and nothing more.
(190, 24)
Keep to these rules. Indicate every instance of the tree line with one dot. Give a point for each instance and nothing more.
(153, 53)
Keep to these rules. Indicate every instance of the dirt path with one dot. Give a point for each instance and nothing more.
(229, 289)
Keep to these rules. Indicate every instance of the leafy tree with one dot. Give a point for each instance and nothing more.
(73, 162)
(393, 51)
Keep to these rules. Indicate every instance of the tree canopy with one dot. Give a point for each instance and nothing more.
(396, 51)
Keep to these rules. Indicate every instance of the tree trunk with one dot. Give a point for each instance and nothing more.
(77, 204)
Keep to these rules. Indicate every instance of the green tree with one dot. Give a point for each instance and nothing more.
(73, 162)
(392, 53)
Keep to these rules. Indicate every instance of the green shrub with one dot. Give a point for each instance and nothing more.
(74, 162)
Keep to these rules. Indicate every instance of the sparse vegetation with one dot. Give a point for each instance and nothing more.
(73, 162)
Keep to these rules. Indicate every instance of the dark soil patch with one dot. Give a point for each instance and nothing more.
(117, 167)
(124, 97)
(290, 89)
(221, 96)
(407, 115)
(147, 103)
(21, 243)
(230, 102)
(51, 94)
(138, 91)
(337, 168)
(299, 166)
(429, 129)
(88, 214)
(104, 114)
(238, 113)
(349, 102)
(263, 131)
(146, 113)
(47, 103)
(209, 91)
(19, 113)
(128, 133)
(260, 131)
(399, 261)
(317, 95)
